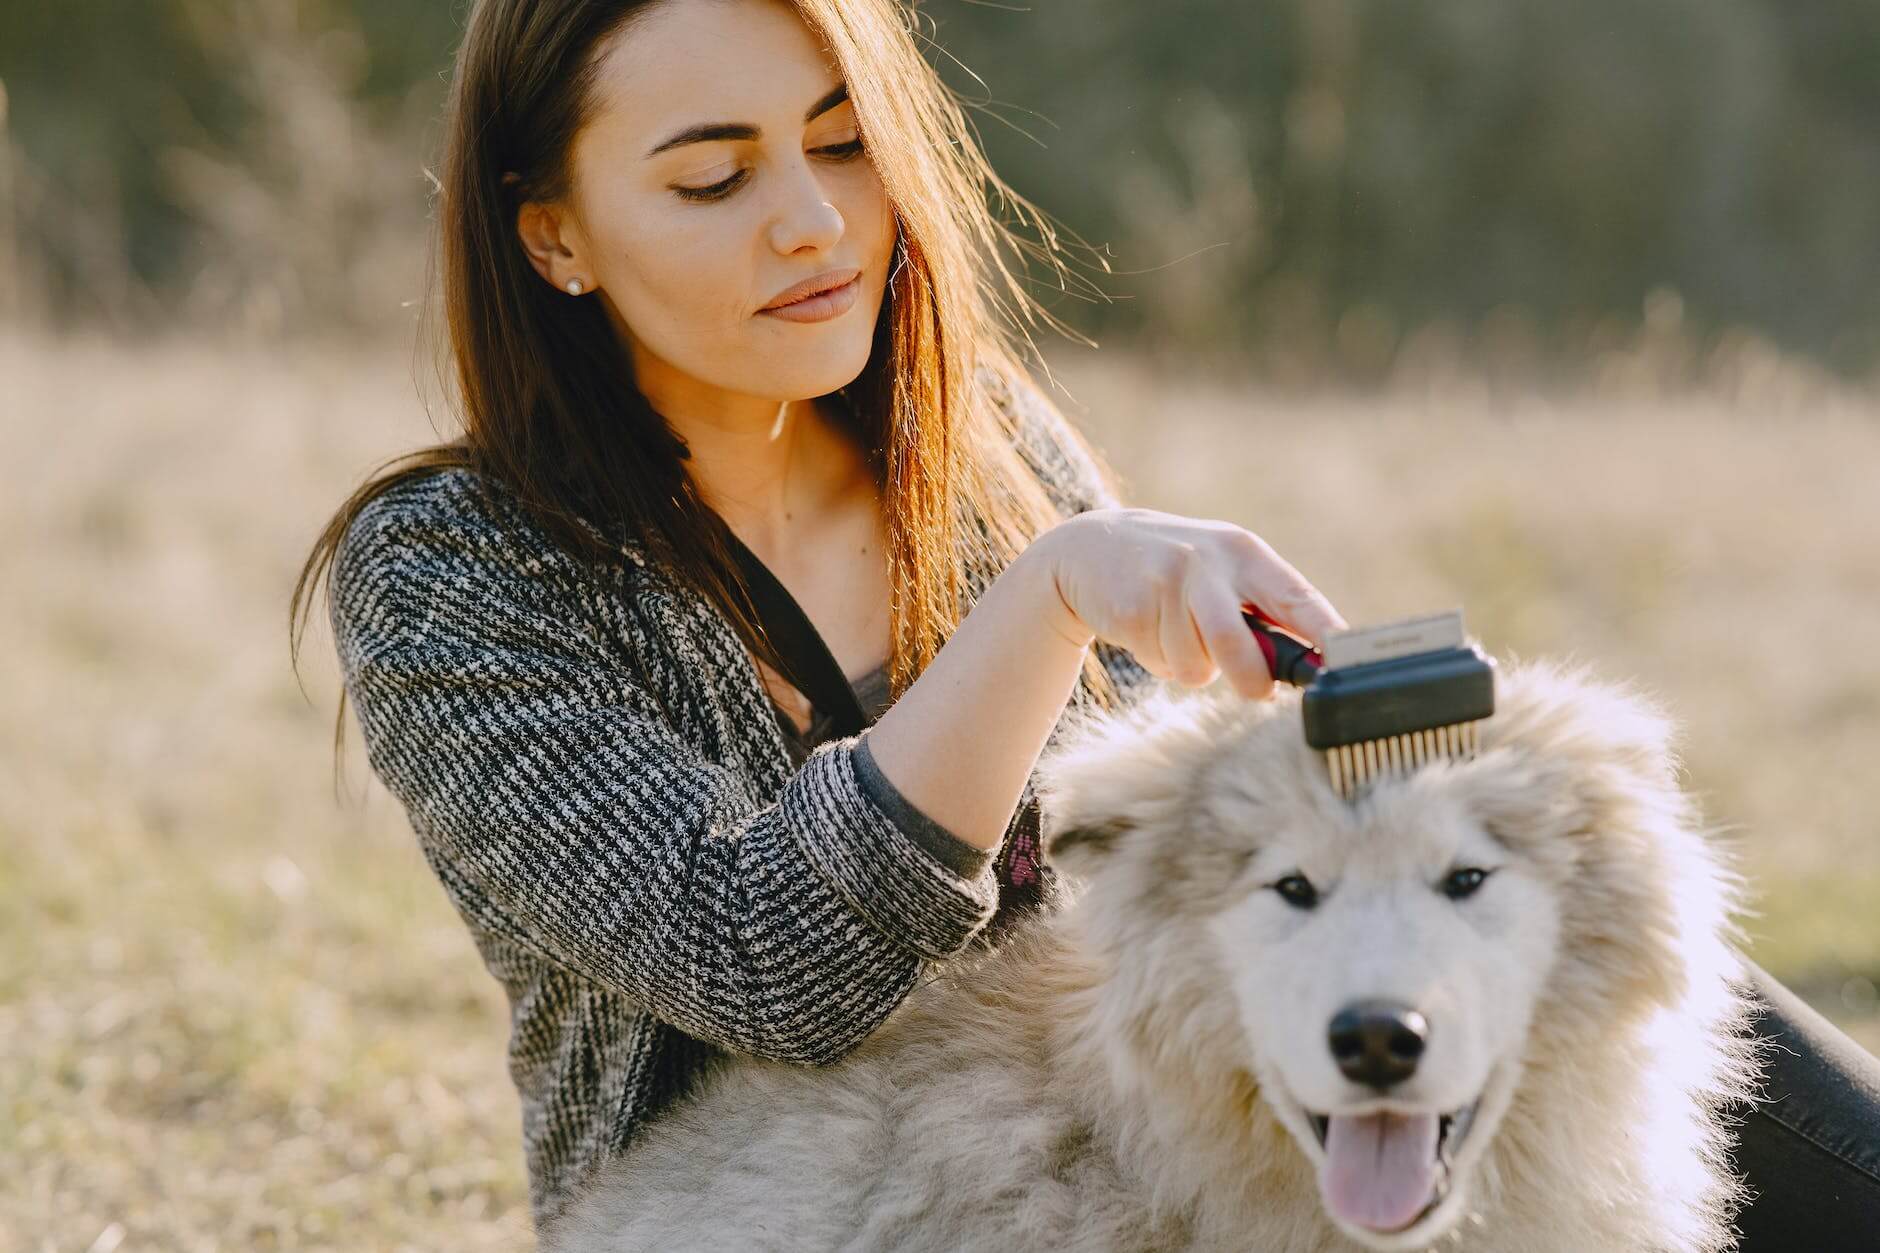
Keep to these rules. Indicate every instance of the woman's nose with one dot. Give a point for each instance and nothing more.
(805, 216)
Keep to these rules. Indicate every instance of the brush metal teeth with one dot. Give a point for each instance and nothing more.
(1354, 765)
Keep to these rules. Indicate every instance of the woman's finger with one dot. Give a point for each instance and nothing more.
(1216, 612)
(1182, 644)
(1284, 594)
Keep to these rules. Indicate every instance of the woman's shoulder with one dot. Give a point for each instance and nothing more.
(451, 534)
(444, 501)
(459, 512)
(434, 498)
(420, 517)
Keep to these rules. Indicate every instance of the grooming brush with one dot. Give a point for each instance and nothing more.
(1384, 699)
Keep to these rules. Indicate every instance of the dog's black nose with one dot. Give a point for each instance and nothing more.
(1377, 1043)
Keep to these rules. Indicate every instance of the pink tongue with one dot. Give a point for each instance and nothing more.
(1379, 1168)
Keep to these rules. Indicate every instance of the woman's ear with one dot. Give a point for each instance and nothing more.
(552, 241)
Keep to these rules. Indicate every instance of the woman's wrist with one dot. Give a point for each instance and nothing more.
(1039, 561)
(961, 741)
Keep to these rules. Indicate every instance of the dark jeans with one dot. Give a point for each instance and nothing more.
(1810, 1147)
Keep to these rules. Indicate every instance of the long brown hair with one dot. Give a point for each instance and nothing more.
(547, 404)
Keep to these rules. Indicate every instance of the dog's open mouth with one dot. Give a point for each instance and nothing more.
(1386, 1170)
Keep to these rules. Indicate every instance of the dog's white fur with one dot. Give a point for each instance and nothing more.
(1131, 1072)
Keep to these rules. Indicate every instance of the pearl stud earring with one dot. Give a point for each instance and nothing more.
(574, 287)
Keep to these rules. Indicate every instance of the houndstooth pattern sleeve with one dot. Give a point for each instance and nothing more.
(562, 811)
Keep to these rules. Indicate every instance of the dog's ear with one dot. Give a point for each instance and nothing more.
(1587, 734)
(1589, 787)
(1583, 748)
(1078, 846)
(1082, 817)
(1109, 775)
(1106, 779)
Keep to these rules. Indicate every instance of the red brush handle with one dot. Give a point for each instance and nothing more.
(1290, 660)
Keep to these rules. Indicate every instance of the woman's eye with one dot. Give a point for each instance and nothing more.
(718, 191)
(1462, 882)
(1297, 890)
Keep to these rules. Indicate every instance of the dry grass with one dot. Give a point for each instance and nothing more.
(237, 1012)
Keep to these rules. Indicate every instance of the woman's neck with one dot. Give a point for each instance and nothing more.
(776, 478)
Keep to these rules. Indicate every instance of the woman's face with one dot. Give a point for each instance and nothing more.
(687, 231)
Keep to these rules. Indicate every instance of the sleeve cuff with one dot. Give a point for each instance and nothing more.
(965, 860)
(887, 876)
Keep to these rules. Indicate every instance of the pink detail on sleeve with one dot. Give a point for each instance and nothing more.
(1023, 866)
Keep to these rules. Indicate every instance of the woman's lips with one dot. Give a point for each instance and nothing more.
(820, 307)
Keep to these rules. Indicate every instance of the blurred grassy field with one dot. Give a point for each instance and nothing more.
(236, 1012)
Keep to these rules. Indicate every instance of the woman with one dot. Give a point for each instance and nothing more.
(658, 848)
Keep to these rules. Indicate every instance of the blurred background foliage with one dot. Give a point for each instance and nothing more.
(1310, 189)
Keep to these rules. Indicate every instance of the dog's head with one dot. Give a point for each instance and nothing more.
(1385, 968)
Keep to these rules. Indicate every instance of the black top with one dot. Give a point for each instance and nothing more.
(871, 690)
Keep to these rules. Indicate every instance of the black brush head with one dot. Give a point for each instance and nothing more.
(1379, 699)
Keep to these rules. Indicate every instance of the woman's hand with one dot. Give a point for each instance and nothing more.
(1170, 590)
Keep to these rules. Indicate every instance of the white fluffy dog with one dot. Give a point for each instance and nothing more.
(1491, 1005)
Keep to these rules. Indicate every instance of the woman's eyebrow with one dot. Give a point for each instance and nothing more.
(744, 130)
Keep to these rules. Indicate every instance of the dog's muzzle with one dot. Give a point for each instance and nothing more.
(1384, 1169)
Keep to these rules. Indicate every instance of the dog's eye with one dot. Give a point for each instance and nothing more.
(1297, 890)
(1463, 882)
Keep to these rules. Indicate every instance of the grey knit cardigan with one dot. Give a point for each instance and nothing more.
(594, 771)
